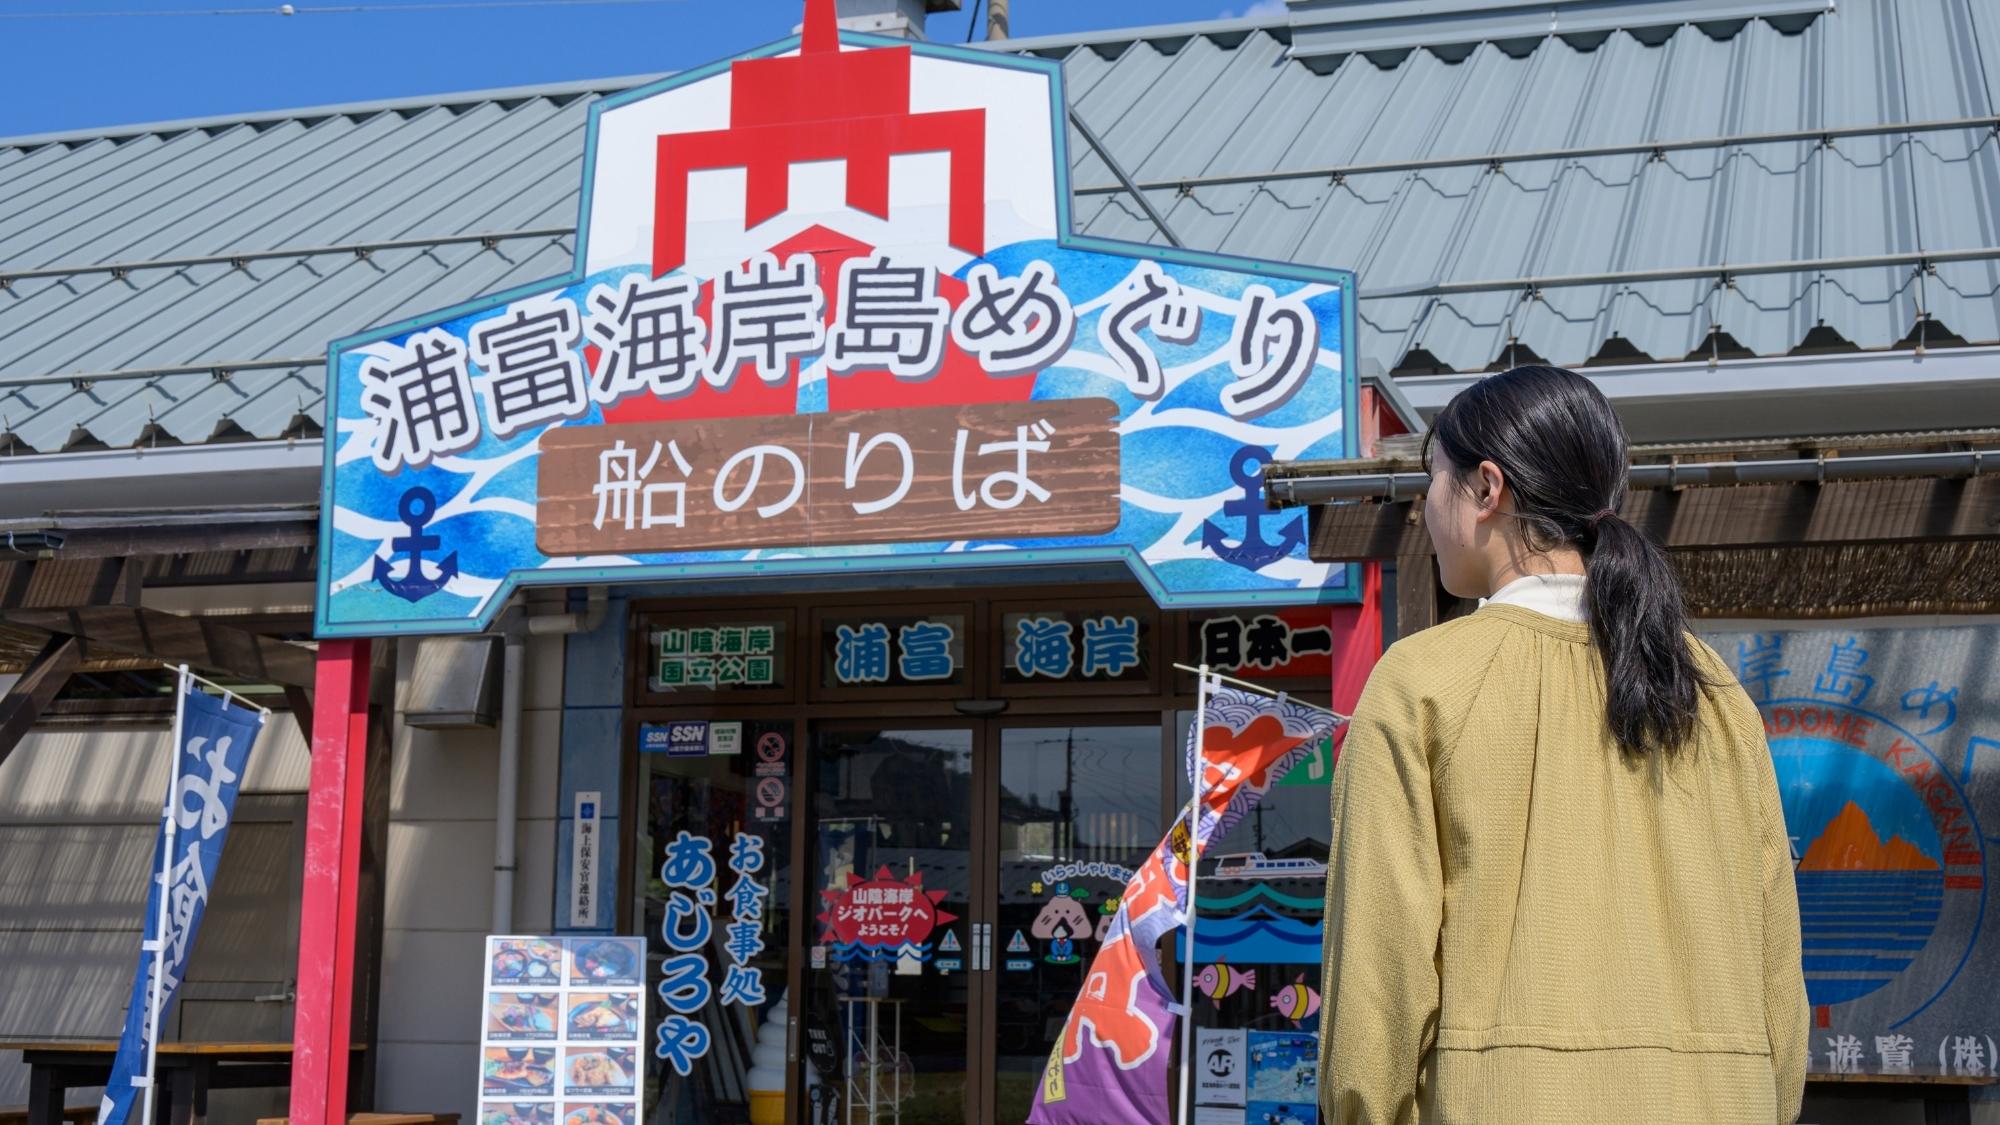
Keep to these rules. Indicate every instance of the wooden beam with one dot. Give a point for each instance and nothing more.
(1363, 532)
(36, 688)
(1416, 593)
(1760, 515)
(189, 538)
(203, 642)
(300, 701)
(61, 583)
(1789, 515)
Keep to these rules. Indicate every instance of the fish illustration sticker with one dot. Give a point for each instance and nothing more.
(1219, 981)
(1296, 1001)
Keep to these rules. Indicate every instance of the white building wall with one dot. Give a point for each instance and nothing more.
(439, 890)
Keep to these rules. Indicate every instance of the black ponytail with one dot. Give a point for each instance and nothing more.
(1562, 452)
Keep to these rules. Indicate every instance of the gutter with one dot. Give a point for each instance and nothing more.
(515, 627)
(247, 474)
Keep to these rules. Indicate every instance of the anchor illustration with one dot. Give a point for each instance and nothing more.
(1252, 552)
(416, 509)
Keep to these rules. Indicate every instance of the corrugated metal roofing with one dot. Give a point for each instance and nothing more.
(1488, 236)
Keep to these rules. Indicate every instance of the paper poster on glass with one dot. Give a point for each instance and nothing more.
(1284, 1078)
(1221, 1072)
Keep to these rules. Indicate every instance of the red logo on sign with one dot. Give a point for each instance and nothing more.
(882, 913)
(818, 105)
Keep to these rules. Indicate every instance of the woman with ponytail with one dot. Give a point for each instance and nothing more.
(1561, 887)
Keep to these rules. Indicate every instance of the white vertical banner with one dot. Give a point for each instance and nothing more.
(585, 842)
(1197, 780)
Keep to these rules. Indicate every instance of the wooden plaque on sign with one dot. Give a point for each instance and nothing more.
(981, 471)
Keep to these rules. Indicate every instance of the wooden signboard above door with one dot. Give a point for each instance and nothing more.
(828, 317)
(981, 471)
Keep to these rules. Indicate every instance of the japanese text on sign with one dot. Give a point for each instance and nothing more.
(848, 477)
(1054, 647)
(743, 983)
(923, 651)
(686, 925)
(717, 656)
(650, 338)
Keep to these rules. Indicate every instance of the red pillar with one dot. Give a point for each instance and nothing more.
(321, 1023)
(1357, 642)
(1358, 639)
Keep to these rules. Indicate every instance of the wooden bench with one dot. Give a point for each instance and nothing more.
(18, 1115)
(383, 1119)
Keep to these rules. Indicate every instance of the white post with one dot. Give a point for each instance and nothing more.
(1193, 863)
(159, 943)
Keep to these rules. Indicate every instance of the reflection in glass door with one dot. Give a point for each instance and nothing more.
(889, 1019)
(1079, 809)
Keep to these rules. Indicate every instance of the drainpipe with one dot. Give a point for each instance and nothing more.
(516, 626)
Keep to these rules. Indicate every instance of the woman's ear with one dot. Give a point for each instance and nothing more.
(1489, 489)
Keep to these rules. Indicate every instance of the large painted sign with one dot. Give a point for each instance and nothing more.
(1887, 747)
(827, 316)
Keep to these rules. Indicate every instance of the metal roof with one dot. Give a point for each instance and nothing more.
(1719, 187)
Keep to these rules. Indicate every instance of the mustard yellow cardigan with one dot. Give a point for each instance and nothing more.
(1525, 925)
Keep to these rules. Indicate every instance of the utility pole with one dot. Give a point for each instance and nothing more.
(996, 19)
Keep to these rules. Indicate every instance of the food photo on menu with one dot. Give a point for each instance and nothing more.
(595, 1114)
(603, 1071)
(518, 1113)
(519, 1070)
(603, 1016)
(522, 1016)
(605, 962)
(529, 961)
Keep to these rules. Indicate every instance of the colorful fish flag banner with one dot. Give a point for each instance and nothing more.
(1111, 1062)
(212, 741)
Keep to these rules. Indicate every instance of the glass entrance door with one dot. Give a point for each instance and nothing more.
(963, 876)
(890, 1027)
(1078, 811)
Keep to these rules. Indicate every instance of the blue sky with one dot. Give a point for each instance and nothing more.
(75, 64)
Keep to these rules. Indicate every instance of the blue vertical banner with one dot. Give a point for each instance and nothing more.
(212, 748)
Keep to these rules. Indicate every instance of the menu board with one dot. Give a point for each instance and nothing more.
(560, 1031)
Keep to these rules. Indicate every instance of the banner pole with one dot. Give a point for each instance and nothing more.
(159, 942)
(1193, 865)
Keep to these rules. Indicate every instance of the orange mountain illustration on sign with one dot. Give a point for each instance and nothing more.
(1850, 844)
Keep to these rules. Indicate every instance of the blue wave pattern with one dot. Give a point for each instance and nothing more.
(858, 951)
(1861, 928)
(1257, 936)
(1175, 454)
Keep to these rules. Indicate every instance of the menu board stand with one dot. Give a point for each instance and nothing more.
(562, 1031)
